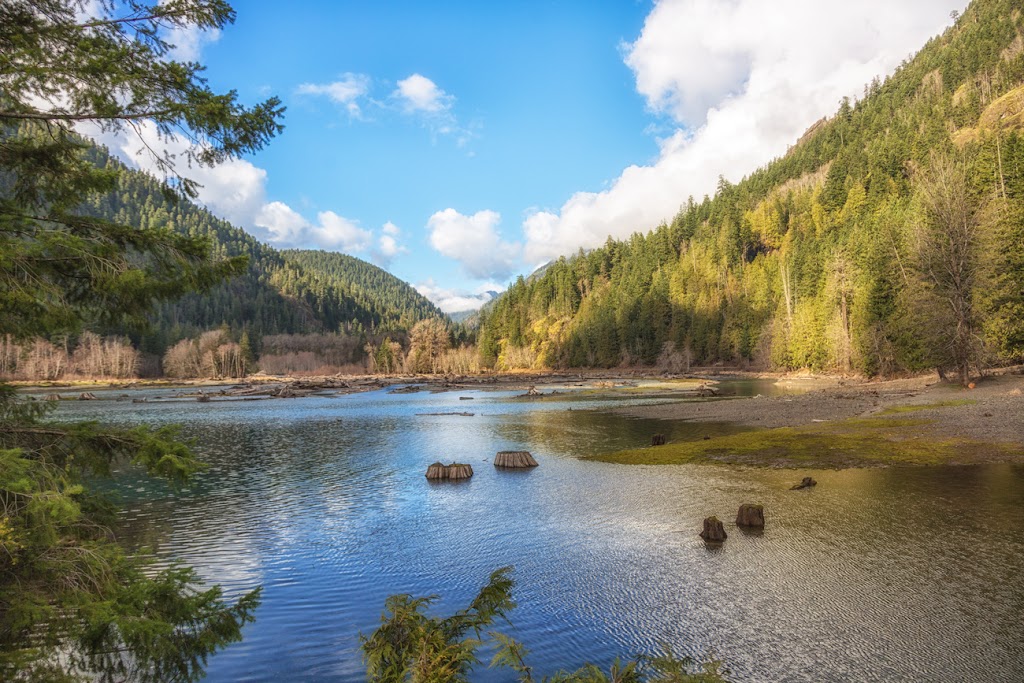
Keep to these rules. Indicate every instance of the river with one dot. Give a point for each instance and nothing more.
(874, 575)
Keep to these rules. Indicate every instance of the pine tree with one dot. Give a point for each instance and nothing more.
(73, 604)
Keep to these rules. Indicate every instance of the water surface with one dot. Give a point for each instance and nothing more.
(875, 575)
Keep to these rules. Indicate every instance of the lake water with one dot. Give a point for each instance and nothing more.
(875, 575)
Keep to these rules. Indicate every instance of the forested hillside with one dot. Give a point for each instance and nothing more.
(888, 239)
(293, 292)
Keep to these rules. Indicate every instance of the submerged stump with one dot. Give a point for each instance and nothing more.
(751, 516)
(441, 472)
(714, 530)
(658, 440)
(806, 483)
(514, 459)
(87, 396)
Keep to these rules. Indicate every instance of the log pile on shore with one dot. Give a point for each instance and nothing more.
(514, 460)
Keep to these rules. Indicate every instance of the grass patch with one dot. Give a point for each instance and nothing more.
(862, 442)
(897, 410)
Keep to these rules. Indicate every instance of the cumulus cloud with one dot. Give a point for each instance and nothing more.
(188, 42)
(286, 227)
(388, 246)
(454, 300)
(236, 191)
(347, 91)
(418, 93)
(740, 81)
(233, 189)
(474, 241)
(419, 96)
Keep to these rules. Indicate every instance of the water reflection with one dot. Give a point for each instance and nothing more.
(901, 574)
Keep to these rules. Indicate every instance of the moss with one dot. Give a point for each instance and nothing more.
(896, 410)
(865, 442)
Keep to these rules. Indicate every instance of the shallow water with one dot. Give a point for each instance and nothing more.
(875, 575)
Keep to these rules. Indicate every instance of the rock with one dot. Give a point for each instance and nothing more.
(203, 398)
(750, 516)
(807, 482)
(514, 459)
(658, 440)
(441, 472)
(714, 531)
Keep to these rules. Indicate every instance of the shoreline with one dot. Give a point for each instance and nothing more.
(917, 421)
(835, 423)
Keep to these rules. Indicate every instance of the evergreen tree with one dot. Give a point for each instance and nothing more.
(73, 604)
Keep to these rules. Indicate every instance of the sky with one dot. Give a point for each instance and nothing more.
(460, 144)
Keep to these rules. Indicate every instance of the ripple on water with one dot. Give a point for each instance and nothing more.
(874, 575)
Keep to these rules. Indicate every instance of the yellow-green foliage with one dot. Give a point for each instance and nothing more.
(812, 261)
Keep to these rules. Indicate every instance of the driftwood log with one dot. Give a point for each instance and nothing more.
(514, 459)
(806, 483)
(658, 440)
(714, 530)
(441, 472)
(751, 516)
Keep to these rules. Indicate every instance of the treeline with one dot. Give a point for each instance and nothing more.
(889, 239)
(432, 345)
(88, 356)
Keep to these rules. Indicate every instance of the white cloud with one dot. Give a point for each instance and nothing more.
(338, 232)
(236, 191)
(458, 300)
(282, 223)
(189, 41)
(288, 228)
(388, 246)
(474, 242)
(418, 93)
(345, 92)
(233, 189)
(741, 80)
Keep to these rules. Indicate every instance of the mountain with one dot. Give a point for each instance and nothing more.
(281, 292)
(888, 239)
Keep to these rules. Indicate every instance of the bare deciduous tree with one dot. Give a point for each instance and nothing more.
(946, 241)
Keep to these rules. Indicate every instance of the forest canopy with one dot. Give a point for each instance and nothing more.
(840, 256)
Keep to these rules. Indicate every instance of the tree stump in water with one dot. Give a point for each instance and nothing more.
(441, 472)
(658, 440)
(714, 531)
(514, 459)
(87, 396)
(750, 516)
(806, 483)
(52, 397)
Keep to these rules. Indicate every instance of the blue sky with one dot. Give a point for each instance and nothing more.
(459, 144)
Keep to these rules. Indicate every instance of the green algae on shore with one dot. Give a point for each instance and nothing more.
(858, 442)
